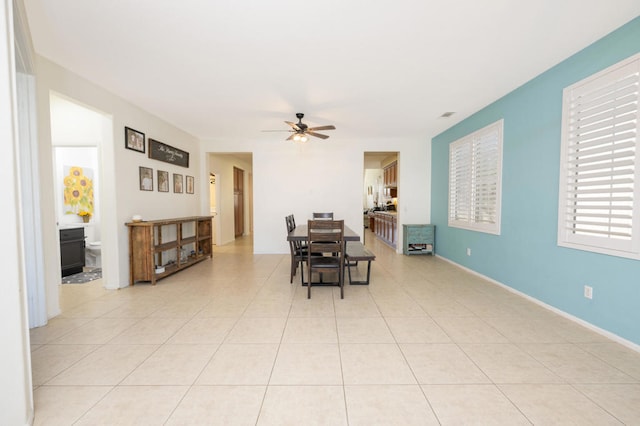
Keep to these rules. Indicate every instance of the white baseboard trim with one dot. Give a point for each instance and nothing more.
(631, 345)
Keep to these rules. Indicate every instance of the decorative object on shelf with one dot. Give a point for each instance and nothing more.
(133, 139)
(85, 215)
(78, 190)
(163, 152)
(136, 218)
(146, 179)
(190, 184)
(177, 183)
(163, 181)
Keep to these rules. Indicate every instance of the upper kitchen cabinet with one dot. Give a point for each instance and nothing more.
(391, 180)
(391, 175)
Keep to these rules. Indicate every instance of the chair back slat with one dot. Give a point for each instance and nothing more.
(328, 216)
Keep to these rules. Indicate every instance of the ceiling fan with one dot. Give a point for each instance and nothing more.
(301, 130)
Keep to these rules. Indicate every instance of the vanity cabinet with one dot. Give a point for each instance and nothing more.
(159, 248)
(418, 239)
(72, 251)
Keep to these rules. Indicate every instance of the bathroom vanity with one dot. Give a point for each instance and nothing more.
(72, 250)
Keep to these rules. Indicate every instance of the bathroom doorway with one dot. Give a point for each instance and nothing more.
(76, 137)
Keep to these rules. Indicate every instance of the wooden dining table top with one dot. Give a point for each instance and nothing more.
(300, 233)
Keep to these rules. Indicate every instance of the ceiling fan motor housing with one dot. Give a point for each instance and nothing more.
(300, 124)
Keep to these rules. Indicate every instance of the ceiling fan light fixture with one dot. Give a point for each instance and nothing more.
(300, 137)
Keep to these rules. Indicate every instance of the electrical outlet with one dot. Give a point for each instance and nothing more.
(468, 252)
(588, 292)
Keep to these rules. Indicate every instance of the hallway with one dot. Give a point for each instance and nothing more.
(231, 342)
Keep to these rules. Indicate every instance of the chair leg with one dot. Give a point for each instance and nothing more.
(309, 284)
(294, 266)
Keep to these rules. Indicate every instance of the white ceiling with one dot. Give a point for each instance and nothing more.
(375, 69)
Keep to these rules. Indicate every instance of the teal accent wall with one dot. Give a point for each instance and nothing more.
(526, 256)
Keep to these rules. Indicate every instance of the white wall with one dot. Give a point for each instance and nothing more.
(16, 405)
(324, 176)
(121, 197)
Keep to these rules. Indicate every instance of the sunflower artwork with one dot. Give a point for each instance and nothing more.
(78, 192)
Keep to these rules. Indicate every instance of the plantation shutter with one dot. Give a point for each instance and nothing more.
(475, 173)
(600, 145)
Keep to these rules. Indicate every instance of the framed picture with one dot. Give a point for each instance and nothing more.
(190, 182)
(146, 179)
(167, 153)
(163, 181)
(177, 183)
(133, 139)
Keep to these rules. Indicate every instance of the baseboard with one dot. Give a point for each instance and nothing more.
(629, 344)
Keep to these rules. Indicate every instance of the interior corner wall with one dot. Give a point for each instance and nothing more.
(292, 178)
(525, 256)
(122, 197)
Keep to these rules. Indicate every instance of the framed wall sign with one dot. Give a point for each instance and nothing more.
(163, 152)
(133, 139)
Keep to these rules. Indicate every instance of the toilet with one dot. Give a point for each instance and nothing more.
(93, 254)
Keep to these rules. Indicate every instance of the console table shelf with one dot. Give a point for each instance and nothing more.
(419, 239)
(168, 244)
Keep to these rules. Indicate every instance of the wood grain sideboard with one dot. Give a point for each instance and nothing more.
(159, 248)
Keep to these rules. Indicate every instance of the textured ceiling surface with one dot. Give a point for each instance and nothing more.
(375, 69)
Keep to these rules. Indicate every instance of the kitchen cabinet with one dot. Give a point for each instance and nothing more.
(418, 239)
(159, 248)
(386, 227)
(390, 176)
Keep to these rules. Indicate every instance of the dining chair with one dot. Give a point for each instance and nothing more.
(328, 216)
(326, 237)
(297, 253)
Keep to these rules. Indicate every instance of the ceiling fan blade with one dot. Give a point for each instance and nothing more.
(329, 127)
(294, 125)
(317, 135)
(290, 138)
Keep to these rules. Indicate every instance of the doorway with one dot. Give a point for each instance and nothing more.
(213, 211)
(76, 150)
(233, 188)
(238, 201)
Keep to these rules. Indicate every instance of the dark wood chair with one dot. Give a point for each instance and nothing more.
(328, 216)
(326, 237)
(297, 253)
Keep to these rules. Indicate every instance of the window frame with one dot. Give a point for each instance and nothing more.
(466, 206)
(570, 235)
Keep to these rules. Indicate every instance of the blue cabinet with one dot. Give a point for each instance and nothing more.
(419, 239)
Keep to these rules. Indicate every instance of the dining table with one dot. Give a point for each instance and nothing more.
(300, 233)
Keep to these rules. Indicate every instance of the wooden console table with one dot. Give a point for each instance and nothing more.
(158, 248)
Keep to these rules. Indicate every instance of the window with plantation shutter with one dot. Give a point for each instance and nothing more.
(475, 180)
(598, 197)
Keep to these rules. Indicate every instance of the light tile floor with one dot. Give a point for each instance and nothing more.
(231, 342)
